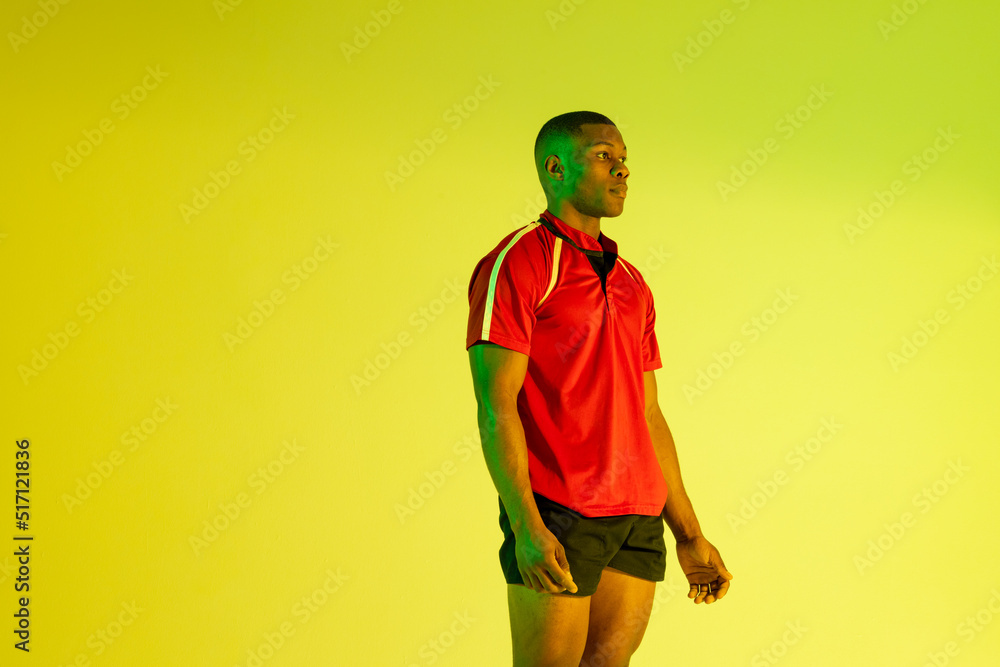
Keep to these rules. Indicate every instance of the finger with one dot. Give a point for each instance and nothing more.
(716, 590)
(720, 567)
(561, 572)
(565, 578)
(530, 580)
(537, 583)
(548, 585)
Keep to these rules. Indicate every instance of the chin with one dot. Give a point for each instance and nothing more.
(614, 211)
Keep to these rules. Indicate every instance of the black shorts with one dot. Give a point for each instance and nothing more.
(631, 543)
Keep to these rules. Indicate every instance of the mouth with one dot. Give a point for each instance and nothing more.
(620, 191)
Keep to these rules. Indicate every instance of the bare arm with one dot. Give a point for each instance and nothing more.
(497, 376)
(700, 561)
(678, 512)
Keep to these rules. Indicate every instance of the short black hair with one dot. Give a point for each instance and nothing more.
(568, 125)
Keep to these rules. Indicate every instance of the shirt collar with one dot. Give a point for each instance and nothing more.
(580, 238)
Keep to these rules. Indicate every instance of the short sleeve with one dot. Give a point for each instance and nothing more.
(503, 292)
(650, 348)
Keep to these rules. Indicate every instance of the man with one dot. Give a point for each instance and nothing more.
(562, 348)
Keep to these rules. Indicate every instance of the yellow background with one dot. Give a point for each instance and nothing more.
(365, 451)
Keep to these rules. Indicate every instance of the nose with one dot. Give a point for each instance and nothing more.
(620, 170)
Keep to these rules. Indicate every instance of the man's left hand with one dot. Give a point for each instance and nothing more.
(704, 569)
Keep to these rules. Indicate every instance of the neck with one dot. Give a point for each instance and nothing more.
(566, 212)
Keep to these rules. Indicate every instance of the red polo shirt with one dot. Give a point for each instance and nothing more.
(582, 404)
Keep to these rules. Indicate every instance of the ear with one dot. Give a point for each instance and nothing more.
(554, 167)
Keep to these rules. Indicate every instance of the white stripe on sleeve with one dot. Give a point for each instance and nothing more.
(488, 311)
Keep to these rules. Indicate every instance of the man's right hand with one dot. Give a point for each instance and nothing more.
(542, 562)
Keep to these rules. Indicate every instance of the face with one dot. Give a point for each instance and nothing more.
(596, 179)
